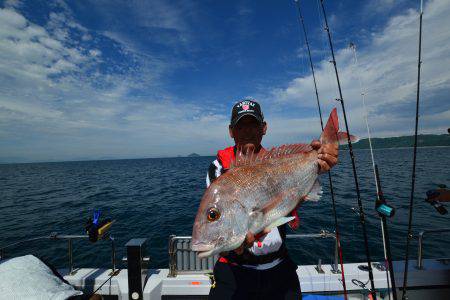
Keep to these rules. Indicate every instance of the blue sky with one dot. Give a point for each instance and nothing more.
(133, 79)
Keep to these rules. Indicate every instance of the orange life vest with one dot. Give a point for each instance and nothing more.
(226, 156)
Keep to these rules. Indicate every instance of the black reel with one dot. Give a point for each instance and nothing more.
(433, 197)
(96, 228)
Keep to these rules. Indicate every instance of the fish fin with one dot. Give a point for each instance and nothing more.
(315, 193)
(331, 133)
(291, 194)
(343, 140)
(285, 150)
(252, 158)
(280, 221)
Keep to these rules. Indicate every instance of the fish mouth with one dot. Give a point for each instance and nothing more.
(201, 247)
(204, 250)
(203, 254)
(209, 249)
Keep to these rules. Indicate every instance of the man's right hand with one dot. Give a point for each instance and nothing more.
(250, 238)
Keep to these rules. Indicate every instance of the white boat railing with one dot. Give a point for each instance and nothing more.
(183, 260)
(69, 238)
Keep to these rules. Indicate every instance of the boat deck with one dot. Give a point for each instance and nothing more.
(430, 282)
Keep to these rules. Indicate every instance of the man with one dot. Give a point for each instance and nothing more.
(261, 270)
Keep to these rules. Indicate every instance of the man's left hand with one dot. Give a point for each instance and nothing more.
(328, 155)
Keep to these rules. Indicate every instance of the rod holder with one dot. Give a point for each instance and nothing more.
(319, 267)
(420, 244)
(70, 250)
(135, 254)
(334, 265)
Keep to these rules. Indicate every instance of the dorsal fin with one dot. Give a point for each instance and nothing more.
(251, 158)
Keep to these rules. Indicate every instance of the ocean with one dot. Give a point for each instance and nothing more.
(154, 198)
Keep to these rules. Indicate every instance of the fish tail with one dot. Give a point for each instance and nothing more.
(331, 133)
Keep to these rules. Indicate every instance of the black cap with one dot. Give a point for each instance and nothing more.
(246, 107)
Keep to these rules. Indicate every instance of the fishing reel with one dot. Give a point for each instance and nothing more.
(434, 197)
(96, 228)
(384, 209)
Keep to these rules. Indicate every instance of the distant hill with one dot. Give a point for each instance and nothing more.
(193, 155)
(423, 140)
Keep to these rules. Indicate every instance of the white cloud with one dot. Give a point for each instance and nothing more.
(388, 69)
(53, 88)
(374, 7)
(28, 51)
(13, 3)
(165, 23)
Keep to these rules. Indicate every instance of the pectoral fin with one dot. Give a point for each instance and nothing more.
(255, 219)
(280, 221)
(291, 194)
(315, 193)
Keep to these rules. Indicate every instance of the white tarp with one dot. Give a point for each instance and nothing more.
(27, 277)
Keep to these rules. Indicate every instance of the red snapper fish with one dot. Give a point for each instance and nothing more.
(258, 192)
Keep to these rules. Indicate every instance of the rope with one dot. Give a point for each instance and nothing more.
(109, 278)
(366, 115)
(361, 284)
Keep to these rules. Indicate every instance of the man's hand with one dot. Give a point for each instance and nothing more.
(328, 155)
(250, 238)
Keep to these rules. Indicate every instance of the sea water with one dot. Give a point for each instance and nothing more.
(154, 198)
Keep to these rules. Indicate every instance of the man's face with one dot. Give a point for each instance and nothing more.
(248, 132)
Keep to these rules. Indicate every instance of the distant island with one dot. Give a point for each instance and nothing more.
(423, 140)
(193, 155)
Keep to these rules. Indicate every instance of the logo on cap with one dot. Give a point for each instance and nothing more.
(246, 107)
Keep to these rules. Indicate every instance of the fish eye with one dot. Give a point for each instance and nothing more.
(213, 214)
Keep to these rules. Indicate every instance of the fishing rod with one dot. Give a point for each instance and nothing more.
(338, 241)
(413, 177)
(381, 206)
(350, 148)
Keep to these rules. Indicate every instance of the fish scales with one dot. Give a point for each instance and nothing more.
(251, 188)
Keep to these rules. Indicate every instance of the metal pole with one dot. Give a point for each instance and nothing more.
(70, 257)
(113, 254)
(172, 260)
(419, 252)
(336, 256)
(420, 246)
